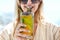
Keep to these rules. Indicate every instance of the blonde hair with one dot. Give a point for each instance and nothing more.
(38, 16)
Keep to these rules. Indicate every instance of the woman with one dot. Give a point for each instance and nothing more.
(42, 30)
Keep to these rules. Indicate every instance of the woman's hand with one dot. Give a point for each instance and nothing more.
(19, 35)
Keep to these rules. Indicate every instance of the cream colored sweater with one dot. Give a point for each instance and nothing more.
(46, 31)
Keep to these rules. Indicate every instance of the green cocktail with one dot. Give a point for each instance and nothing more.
(28, 19)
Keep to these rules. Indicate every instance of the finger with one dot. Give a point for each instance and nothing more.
(21, 26)
(20, 38)
(24, 30)
(25, 36)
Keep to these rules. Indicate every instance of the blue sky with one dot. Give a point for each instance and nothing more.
(51, 10)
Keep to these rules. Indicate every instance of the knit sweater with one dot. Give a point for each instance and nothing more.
(46, 31)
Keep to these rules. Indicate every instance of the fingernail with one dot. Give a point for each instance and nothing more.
(29, 31)
(24, 25)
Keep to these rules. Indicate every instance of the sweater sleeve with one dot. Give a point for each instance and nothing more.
(4, 35)
(56, 34)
